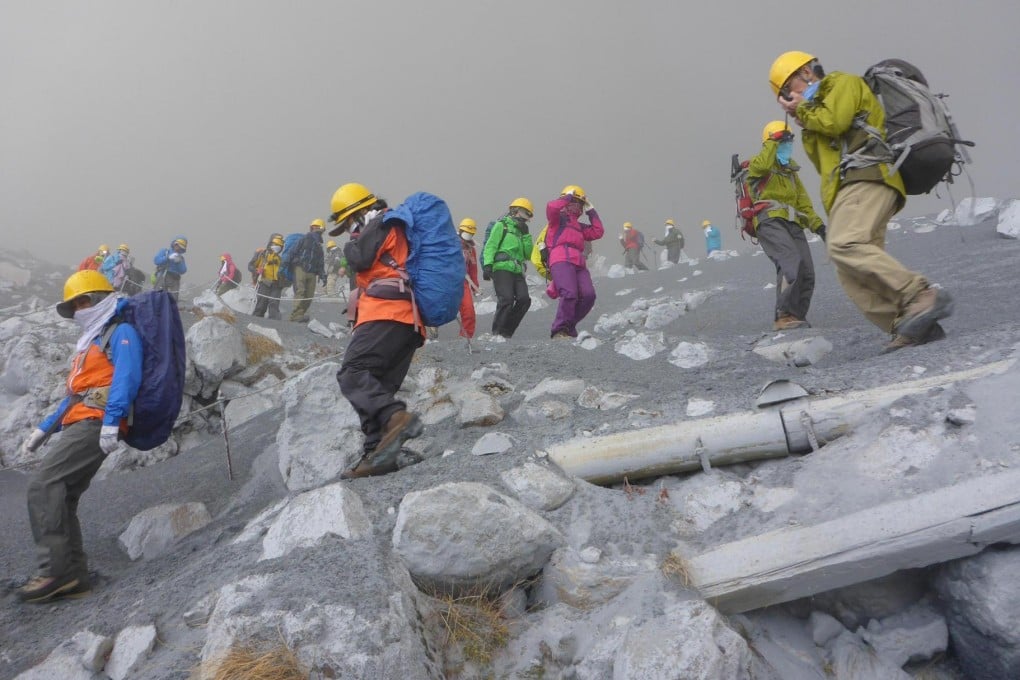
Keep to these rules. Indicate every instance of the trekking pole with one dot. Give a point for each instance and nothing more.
(256, 303)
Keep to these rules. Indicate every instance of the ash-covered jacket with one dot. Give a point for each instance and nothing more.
(566, 235)
(770, 180)
(828, 121)
(508, 247)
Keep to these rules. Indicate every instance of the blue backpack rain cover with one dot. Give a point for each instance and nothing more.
(288, 251)
(153, 414)
(435, 264)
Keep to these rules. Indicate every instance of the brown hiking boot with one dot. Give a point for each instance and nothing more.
(401, 426)
(368, 467)
(788, 322)
(48, 588)
(920, 315)
(900, 341)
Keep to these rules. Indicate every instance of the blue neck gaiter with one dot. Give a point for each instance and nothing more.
(783, 152)
(811, 90)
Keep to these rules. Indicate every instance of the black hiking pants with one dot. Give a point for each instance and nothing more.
(785, 244)
(374, 366)
(267, 299)
(53, 494)
(512, 302)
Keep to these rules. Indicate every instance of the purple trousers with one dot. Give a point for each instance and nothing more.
(577, 296)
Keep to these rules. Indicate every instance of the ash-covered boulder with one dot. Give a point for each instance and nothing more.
(504, 543)
(215, 351)
(537, 486)
(1009, 220)
(308, 517)
(154, 531)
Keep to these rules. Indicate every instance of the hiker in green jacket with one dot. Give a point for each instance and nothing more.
(772, 178)
(860, 193)
(506, 250)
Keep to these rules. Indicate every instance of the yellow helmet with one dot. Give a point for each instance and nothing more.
(706, 223)
(772, 128)
(523, 203)
(347, 200)
(180, 242)
(276, 241)
(628, 225)
(81, 283)
(330, 244)
(785, 65)
(105, 249)
(468, 226)
(670, 222)
(317, 224)
(124, 247)
(573, 190)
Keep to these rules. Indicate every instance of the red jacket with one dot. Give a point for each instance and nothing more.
(470, 260)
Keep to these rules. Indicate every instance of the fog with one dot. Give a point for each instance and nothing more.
(223, 121)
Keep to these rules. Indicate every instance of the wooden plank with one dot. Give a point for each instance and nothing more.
(788, 564)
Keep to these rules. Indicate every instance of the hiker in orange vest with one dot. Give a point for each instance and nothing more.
(101, 388)
(385, 334)
(94, 261)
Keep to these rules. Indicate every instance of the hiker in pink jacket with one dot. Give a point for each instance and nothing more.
(565, 241)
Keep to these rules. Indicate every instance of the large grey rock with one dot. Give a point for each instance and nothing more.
(594, 398)
(478, 409)
(571, 387)
(918, 634)
(1009, 220)
(261, 397)
(95, 649)
(154, 531)
(492, 442)
(130, 650)
(65, 662)
(270, 333)
(689, 355)
(321, 434)
(333, 509)
(805, 352)
(664, 313)
(586, 579)
(537, 486)
(982, 603)
(971, 211)
(216, 351)
(504, 543)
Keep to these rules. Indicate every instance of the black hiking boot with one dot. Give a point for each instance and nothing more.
(900, 341)
(48, 588)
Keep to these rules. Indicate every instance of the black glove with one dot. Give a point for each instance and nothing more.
(821, 232)
(322, 279)
(544, 254)
(487, 272)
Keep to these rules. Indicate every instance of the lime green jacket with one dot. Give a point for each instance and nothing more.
(507, 248)
(782, 185)
(828, 126)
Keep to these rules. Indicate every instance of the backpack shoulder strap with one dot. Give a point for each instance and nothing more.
(107, 337)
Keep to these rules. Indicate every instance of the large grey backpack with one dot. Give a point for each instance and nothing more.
(919, 130)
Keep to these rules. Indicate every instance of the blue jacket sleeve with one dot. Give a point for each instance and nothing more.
(126, 355)
(161, 257)
(46, 424)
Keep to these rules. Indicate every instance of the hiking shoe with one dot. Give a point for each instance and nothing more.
(927, 307)
(401, 426)
(369, 467)
(48, 588)
(900, 341)
(562, 335)
(788, 322)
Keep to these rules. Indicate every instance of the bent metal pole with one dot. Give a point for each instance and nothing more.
(796, 427)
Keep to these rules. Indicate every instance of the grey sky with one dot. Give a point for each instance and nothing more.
(135, 121)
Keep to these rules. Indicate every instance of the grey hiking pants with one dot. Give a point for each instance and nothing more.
(53, 494)
(304, 291)
(375, 364)
(785, 244)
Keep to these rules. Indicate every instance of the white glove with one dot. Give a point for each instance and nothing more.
(588, 205)
(34, 440)
(108, 438)
(176, 257)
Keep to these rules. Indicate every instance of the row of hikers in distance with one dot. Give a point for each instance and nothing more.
(409, 275)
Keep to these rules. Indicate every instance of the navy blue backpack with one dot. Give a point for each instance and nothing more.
(155, 409)
(435, 264)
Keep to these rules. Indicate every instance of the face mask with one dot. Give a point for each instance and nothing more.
(811, 90)
(275, 249)
(466, 236)
(783, 152)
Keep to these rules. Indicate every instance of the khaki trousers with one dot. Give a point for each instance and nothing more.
(875, 281)
(304, 290)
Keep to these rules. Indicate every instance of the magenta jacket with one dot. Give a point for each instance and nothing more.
(566, 235)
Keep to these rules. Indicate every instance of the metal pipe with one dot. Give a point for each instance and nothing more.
(793, 428)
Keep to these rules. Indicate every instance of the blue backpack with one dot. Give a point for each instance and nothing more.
(154, 411)
(287, 254)
(435, 264)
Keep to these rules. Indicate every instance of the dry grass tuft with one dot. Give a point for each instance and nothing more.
(226, 315)
(243, 662)
(472, 626)
(675, 567)
(259, 348)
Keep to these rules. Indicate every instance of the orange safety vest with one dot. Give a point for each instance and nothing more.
(90, 369)
(379, 309)
(88, 263)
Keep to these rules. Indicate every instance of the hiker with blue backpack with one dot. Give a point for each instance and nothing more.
(504, 255)
(565, 240)
(306, 263)
(409, 273)
(844, 135)
(117, 389)
(170, 267)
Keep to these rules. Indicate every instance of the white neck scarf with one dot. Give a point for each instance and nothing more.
(91, 320)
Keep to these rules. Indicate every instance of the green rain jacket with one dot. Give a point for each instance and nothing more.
(783, 186)
(507, 248)
(828, 128)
